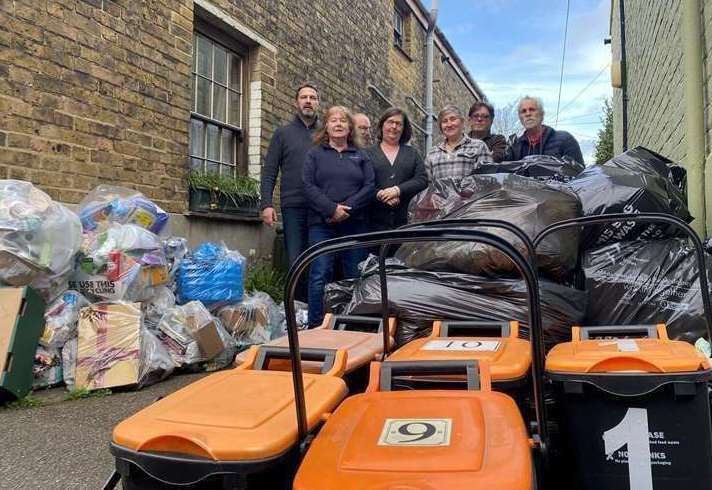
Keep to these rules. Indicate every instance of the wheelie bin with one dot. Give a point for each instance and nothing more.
(232, 429)
(634, 405)
(423, 439)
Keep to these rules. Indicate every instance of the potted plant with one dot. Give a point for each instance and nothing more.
(223, 194)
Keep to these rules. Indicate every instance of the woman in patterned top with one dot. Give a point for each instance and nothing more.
(458, 155)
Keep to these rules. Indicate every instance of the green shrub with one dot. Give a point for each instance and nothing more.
(261, 276)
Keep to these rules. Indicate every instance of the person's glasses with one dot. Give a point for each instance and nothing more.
(395, 124)
(481, 117)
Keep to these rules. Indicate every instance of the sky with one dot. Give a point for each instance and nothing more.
(514, 48)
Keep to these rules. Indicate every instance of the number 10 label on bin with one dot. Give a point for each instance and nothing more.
(416, 432)
(463, 345)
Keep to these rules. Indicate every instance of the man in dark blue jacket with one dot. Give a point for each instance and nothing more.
(287, 152)
(539, 139)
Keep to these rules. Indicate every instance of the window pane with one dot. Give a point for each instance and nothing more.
(236, 73)
(202, 103)
(228, 145)
(219, 103)
(213, 142)
(196, 164)
(212, 167)
(204, 57)
(235, 109)
(197, 137)
(220, 61)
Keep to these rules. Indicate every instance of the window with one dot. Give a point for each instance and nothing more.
(216, 121)
(398, 21)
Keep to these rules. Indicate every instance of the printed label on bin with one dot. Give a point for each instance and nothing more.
(627, 345)
(416, 432)
(463, 345)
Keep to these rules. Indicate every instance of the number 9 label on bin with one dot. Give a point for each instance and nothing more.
(416, 432)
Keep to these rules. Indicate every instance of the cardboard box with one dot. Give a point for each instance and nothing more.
(21, 324)
(109, 349)
(207, 336)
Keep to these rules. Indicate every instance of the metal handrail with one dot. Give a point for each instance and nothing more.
(649, 218)
(417, 235)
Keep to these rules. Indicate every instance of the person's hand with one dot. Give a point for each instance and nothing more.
(384, 195)
(393, 202)
(341, 213)
(269, 217)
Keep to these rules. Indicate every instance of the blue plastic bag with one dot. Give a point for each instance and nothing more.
(211, 274)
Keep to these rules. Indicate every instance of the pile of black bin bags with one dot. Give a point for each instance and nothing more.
(633, 273)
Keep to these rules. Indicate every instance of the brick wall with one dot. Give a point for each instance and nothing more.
(96, 92)
(655, 92)
(99, 91)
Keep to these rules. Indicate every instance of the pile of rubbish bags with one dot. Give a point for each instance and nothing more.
(127, 304)
(632, 273)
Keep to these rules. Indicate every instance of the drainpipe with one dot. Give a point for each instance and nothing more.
(624, 78)
(429, 41)
(699, 182)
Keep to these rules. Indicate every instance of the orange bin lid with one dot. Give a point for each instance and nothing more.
(478, 441)
(509, 358)
(233, 415)
(625, 355)
(362, 347)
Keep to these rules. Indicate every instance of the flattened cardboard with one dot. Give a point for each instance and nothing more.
(108, 352)
(21, 324)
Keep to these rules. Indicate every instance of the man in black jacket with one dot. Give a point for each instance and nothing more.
(287, 152)
(539, 139)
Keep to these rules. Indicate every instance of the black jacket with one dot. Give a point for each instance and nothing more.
(332, 177)
(407, 172)
(554, 143)
(287, 151)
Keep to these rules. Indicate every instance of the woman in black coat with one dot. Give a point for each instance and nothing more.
(399, 168)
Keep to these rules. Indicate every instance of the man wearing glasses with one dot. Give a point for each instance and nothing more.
(481, 116)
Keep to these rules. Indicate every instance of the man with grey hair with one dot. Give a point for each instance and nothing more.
(539, 139)
(458, 155)
(363, 128)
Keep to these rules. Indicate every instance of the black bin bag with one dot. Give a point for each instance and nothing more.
(525, 202)
(645, 282)
(419, 297)
(636, 181)
(541, 167)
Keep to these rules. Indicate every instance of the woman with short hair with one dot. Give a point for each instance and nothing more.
(338, 186)
(458, 155)
(399, 168)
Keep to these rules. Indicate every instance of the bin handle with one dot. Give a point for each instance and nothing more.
(466, 328)
(658, 331)
(340, 322)
(333, 360)
(624, 363)
(475, 372)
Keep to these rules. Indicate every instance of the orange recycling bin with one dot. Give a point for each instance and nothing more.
(234, 427)
(635, 409)
(421, 439)
(509, 358)
(360, 336)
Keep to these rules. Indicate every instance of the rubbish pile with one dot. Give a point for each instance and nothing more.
(634, 273)
(106, 298)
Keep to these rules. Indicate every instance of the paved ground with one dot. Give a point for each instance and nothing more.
(65, 444)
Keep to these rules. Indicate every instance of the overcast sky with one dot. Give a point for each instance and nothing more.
(513, 48)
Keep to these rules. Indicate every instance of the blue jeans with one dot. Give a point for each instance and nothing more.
(296, 240)
(296, 232)
(322, 269)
